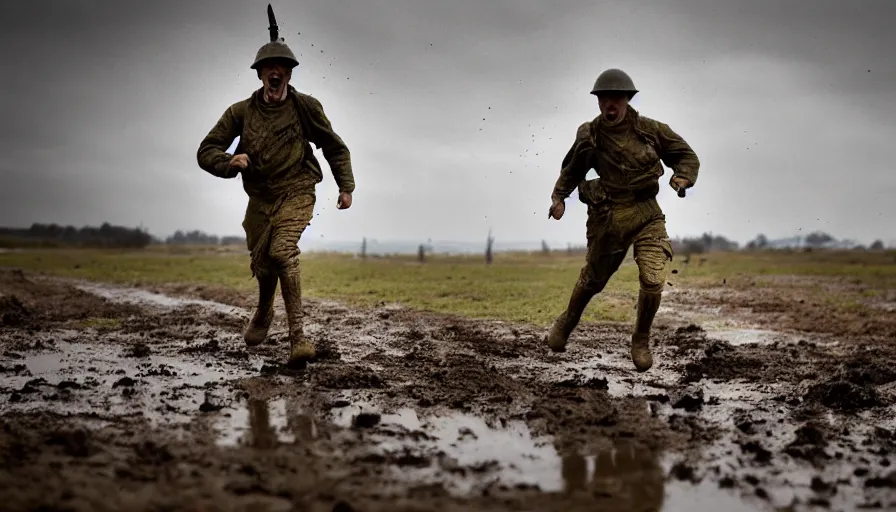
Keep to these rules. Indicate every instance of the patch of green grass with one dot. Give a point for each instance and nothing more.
(874, 268)
(519, 288)
(531, 288)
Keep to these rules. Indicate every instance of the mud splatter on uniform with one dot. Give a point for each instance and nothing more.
(280, 183)
(622, 209)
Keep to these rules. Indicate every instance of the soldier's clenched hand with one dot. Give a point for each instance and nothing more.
(240, 161)
(344, 201)
(678, 182)
(557, 210)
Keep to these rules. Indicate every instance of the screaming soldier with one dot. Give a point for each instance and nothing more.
(627, 151)
(279, 171)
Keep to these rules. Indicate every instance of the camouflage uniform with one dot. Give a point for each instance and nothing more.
(622, 212)
(280, 183)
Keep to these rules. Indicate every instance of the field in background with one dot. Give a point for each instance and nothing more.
(521, 287)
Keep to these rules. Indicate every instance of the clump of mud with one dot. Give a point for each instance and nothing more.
(843, 395)
(12, 312)
(809, 444)
(687, 337)
(461, 381)
(347, 377)
(482, 340)
(853, 385)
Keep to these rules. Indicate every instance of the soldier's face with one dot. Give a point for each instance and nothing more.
(613, 106)
(275, 74)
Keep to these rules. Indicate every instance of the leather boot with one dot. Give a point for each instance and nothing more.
(301, 350)
(258, 327)
(569, 319)
(648, 304)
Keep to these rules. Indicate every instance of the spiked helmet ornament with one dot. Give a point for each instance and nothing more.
(276, 48)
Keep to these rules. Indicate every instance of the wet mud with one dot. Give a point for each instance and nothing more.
(127, 399)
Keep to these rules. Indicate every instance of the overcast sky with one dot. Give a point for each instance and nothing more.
(458, 113)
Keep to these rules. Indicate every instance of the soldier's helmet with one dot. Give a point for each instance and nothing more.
(275, 50)
(614, 80)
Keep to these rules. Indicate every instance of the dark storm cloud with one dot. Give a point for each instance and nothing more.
(469, 105)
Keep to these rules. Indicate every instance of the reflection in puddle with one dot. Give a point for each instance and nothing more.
(457, 440)
(469, 455)
(264, 425)
(634, 478)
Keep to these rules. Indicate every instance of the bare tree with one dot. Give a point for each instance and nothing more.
(488, 248)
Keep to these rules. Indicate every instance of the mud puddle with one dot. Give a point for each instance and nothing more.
(100, 380)
(445, 411)
(469, 454)
(263, 424)
(137, 296)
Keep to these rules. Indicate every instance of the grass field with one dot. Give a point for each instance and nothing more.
(521, 287)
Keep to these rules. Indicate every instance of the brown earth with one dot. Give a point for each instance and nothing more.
(116, 399)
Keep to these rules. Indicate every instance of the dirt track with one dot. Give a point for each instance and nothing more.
(159, 406)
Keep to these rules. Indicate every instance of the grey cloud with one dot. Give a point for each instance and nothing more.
(775, 96)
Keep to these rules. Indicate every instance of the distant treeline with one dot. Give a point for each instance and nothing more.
(717, 243)
(54, 235)
(196, 237)
(815, 240)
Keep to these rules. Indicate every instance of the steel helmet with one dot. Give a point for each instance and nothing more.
(275, 50)
(614, 80)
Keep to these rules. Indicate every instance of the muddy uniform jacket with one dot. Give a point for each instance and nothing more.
(283, 170)
(622, 206)
(628, 173)
(277, 141)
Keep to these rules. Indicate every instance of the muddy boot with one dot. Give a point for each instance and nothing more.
(569, 319)
(301, 350)
(258, 327)
(648, 304)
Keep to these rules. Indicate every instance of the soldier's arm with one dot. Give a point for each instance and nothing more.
(677, 154)
(575, 165)
(334, 149)
(212, 155)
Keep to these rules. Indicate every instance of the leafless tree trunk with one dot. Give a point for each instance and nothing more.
(488, 248)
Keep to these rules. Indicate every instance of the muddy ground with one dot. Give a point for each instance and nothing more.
(126, 399)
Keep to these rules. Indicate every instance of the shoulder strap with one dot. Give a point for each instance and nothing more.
(304, 118)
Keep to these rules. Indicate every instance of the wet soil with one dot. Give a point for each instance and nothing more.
(127, 399)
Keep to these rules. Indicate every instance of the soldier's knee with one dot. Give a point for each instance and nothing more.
(653, 267)
(283, 254)
(652, 284)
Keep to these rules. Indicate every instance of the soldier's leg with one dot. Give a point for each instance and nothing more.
(592, 279)
(288, 223)
(257, 330)
(260, 323)
(653, 254)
